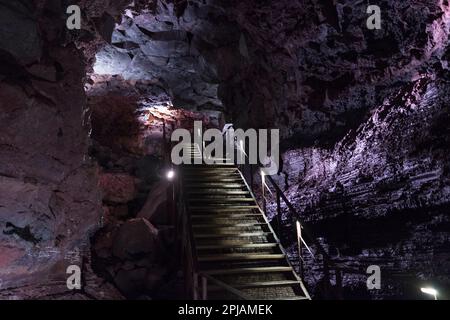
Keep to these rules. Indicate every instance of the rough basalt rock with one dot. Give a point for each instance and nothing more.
(117, 187)
(50, 203)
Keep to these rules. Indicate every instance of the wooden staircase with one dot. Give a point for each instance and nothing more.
(232, 239)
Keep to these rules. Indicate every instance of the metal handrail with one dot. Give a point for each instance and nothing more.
(305, 291)
(326, 258)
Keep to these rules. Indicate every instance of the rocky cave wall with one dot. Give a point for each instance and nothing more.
(364, 117)
(133, 73)
(381, 196)
(363, 114)
(50, 203)
(316, 69)
(368, 112)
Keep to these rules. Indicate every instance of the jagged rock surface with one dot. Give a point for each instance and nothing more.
(49, 200)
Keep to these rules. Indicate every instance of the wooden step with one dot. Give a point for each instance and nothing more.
(213, 166)
(228, 160)
(230, 225)
(209, 185)
(212, 176)
(242, 245)
(208, 169)
(291, 298)
(240, 257)
(263, 284)
(213, 179)
(210, 173)
(230, 208)
(231, 235)
(226, 216)
(218, 192)
(221, 200)
(248, 270)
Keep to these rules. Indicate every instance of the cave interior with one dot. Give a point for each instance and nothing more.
(87, 117)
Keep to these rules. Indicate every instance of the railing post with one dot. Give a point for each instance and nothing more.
(278, 212)
(299, 245)
(251, 177)
(165, 146)
(263, 191)
(195, 286)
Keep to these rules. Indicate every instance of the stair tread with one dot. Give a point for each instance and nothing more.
(224, 225)
(243, 245)
(232, 234)
(239, 256)
(221, 199)
(228, 208)
(205, 173)
(208, 169)
(247, 270)
(216, 185)
(226, 216)
(218, 192)
(291, 298)
(207, 179)
(261, 284)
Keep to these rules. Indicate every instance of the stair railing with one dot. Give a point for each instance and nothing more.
(302, 231)
(277, 239)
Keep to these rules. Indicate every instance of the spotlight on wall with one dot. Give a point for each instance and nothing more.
(170, 174)
(430, 291)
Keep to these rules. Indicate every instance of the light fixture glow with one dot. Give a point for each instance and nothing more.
(430, 291)
(170, 174)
